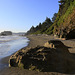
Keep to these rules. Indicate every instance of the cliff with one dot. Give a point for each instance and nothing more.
(64, 25)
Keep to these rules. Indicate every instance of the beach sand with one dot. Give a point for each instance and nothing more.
(34, 41)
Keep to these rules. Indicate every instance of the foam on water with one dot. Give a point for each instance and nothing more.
(11, 44)
(8, 38)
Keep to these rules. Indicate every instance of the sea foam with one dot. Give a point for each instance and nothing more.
(11, 44)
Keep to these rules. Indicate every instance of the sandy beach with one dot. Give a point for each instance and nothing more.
(34, 41)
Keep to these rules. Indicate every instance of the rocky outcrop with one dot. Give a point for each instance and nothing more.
(54, 56)
(6, 33)
(64, 26)
(56, 44)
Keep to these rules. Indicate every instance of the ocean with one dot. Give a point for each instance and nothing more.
(11, 44)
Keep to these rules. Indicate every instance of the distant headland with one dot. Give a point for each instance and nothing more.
(5, 33)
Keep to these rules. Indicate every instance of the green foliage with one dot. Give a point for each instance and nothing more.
(49, 30)
(66, 7)
(54, 17)
(37, 32)
(67, 13)
(41, 28)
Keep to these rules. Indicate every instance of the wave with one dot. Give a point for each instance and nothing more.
(11, 44)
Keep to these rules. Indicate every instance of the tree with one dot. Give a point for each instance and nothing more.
(62, 1)
(32, 29)
(54, 17)
(40, 25)
(48, 20)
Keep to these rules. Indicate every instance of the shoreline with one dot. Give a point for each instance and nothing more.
(33, 42)
(5, 60)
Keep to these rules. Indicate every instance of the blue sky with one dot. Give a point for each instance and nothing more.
(20, 15)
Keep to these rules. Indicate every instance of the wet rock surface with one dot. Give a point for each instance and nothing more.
(53, 56)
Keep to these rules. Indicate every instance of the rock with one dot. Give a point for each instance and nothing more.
(56, 44)
(49, 45)
(71, 34)
(33, 59)
(46, 58)
(5, 33)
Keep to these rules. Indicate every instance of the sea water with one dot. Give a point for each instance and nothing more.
(11, 44)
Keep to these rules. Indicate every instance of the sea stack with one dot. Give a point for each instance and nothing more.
(5, 33)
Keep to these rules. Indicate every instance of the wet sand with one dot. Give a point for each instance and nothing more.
(34, 41)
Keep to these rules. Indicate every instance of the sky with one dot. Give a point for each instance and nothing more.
(20, 15)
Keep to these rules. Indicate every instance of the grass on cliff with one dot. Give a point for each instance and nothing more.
(67, 10)
(67, 13)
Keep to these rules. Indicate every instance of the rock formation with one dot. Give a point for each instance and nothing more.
(64, 26)
(54, 56)
(6, 33)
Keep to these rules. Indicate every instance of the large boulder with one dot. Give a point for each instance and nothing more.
(53, 44)
(43, 58)
(56, 44)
